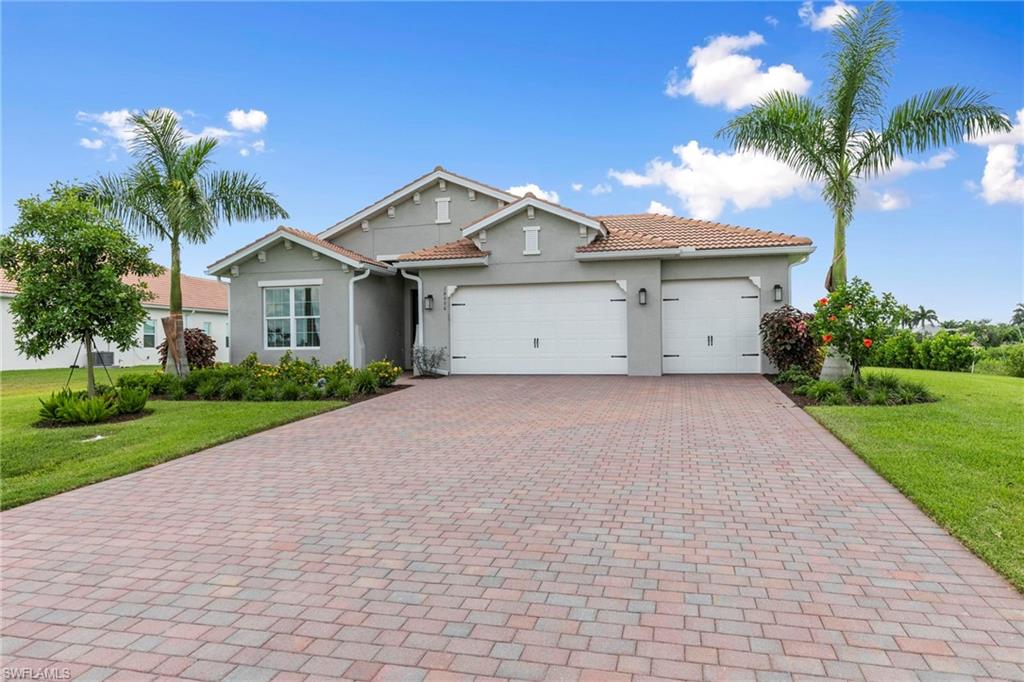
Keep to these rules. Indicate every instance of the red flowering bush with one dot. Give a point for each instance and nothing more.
(852, 319)
(787, 340)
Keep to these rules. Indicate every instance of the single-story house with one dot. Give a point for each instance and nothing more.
(511, 285)
(205, 303)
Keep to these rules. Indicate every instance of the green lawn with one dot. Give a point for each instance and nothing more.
(960, 459)
(37, 463)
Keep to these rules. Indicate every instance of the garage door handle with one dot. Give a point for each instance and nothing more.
(670, 356)
(751, 355)
(670, 299)
(754, 296)
(618, 356)
(457, 304)
(617, 300)
(458, 357)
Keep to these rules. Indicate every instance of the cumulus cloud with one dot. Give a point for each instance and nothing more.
(707, 181)
(252, 121)
(577, 186)
(1001, 181)
(535, 190)
(901, 167)
(887, 200)
(771, 21)
(91, 144)
(116, 127)
(602, 188)
(827, 18)
(721, 74)
(659, 208)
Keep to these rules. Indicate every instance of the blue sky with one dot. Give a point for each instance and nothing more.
(360, 98)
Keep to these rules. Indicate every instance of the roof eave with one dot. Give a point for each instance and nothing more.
(520, 204)
(407, 191)
(443, 263)
(799, 251)
(222, 267)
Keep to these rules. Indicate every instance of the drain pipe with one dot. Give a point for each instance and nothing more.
(352, 315)
(419, 314)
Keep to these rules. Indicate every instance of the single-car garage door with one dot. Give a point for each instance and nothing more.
(539, 329)
(710, 326)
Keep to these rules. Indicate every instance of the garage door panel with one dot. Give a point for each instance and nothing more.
(579, 329)
(710, 326)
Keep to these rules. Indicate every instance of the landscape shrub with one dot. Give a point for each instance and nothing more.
(881, 388)
(132, 400)
(852, 319)
(289, 390)
(85, 410)
(235, 389)
(947, 352)
(899, 350)
(387, 372)
(427, 361)
(339, 388)
(50, 407)
(365, 382)
(1015, 360)
(793, 375)
(208, 389)
(787, 340)
(200, 349)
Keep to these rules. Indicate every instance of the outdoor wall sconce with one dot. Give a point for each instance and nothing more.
(778, 293)
(643, 296)
(428, 302)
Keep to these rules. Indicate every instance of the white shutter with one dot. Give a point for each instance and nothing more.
(531, 247)
(443, 212)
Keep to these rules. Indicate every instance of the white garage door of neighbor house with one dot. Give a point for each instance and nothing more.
(710, 326)
(539, 329)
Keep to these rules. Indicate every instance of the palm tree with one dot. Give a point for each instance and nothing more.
(1018, 315)
(923, 316)
(172, 194)
(843, 138)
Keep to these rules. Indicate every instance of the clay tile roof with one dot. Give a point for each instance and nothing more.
(460, 248)
(309, 237)
(654, 231)
(196, 292)
(530, 195)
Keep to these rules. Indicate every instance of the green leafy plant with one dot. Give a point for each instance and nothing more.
(339, 388)
(131, 400)
(235, 389)
(208, 389)
(289, 390)
(87, 410)
(787, 340)
(427, 361)
(793, 375)
(1015, 360)
(387, 372)
(50, 407)
(365, 382)
(852, 319)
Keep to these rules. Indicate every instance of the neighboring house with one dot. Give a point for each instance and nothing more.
(511, 285)
(205, 304)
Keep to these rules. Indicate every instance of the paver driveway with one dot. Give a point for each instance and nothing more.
(562, 528)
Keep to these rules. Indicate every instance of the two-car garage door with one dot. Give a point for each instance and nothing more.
(539, 329)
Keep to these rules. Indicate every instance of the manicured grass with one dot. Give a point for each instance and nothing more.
(960, 459)
(37, 463)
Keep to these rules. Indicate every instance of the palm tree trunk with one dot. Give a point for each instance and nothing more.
(174, 328)
(90, 375)
(837, 270)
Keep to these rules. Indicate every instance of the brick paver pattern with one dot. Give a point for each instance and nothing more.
(598, 528)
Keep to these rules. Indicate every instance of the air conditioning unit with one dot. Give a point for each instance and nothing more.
(103, 358)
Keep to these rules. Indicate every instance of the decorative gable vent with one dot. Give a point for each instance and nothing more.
(391, 211)
(416, 198)
(366, 225)
(472, 195)
(442, 185)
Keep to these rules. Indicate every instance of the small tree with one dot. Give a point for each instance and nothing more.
(852, 319)
(68, 261)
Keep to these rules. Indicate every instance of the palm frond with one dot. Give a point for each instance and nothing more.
(238, 196)
(863, 46)
(937, 118)
(159, 139)
(132, 198)
(787, 127)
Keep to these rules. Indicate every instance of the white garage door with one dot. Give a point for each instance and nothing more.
(539, 329)
(710, 326)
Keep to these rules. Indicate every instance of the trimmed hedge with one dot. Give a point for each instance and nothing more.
(945, 351)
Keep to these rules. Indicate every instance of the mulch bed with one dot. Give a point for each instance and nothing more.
(49, 424)
(787, 389)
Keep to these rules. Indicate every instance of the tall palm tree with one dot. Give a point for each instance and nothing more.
(923, 316)
(172, 194)
(843, 138)
(1018, 315)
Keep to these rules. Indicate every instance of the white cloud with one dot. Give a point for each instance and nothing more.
(210, 131)
(706, 181)
(577, 186)
(659, 208)
(901, 167)
(535, 190)
(251, 121)
(1001, 180)
(887, 200)
(116, 125)
(602, 188)
(259, 146)
(91, 144)
(720, 74)
(244, 151)
(771, 21)
(827, 18)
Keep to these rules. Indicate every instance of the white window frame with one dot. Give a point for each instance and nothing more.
(292, 317)
(531, 233)
(447, 203)
(152, 325)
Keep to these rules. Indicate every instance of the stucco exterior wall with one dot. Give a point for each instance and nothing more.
(10, 358)
(556, 263)
(379, 321)
(414, 226)
(247, 331)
